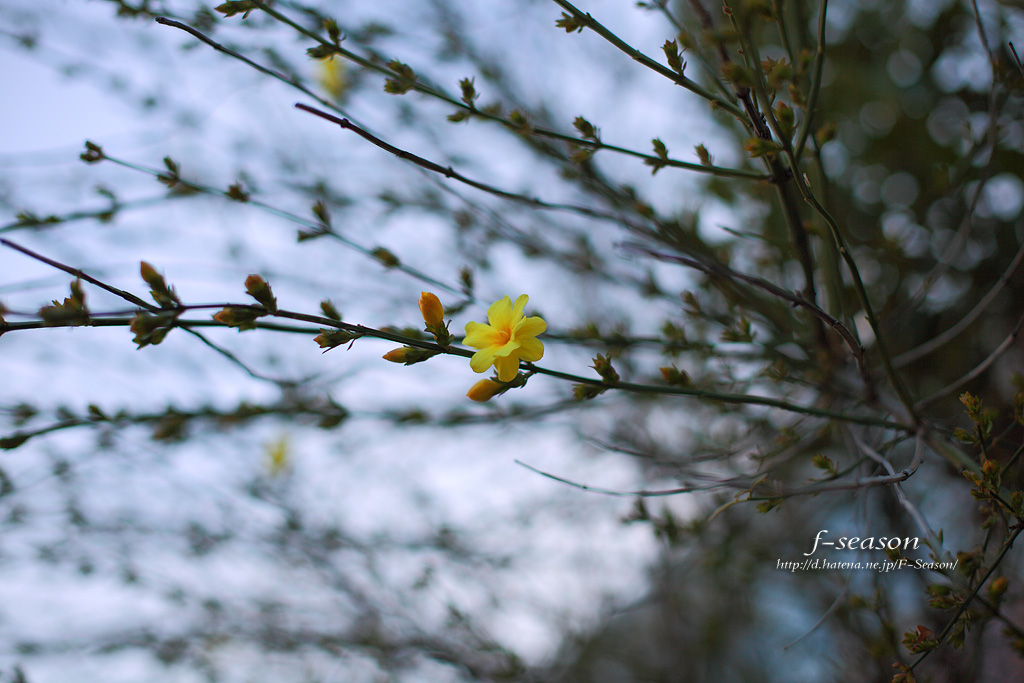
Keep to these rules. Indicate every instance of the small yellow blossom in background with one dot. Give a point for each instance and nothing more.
(507, 338)
(278, 456)
(333, 78)
(484, 390)
(432, 310)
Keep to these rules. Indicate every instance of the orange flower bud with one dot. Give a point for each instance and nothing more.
(432, 310)
(997, 588)
(483, 391)
(399, 355)
(149, 274)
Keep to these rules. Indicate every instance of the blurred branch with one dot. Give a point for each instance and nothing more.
(316, 228)
(588, 21)
(816, 77)
(37, 223)
(131, 298)
(978, 369)
(722, 271)
(433, 91)
(965, 322)
(901, 496)
(973, 594)
(245, 60)
(862, 295)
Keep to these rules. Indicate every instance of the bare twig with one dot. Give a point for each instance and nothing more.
(912, 509)
(965, 322)
(142, 303)
(723, 271)
(255, 65)
(978, 369)
(636, 55)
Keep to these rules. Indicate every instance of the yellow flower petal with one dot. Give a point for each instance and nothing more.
(507, 349)
(499, 315)
(479, 336)
(518, 308)
(530, 327)
(507, 367)
(482, 360)
(531, 349)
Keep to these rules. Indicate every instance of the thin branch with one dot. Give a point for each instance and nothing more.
(839, 600)
(362, 330)
(901, 496)
(748, 485)
(714, 396)
(636, 55)
(965, 322)
(294, 218)
(433, 91)
(978, 370)
(131, 298)
(721, 397)
(816, 77)
(120, 293)
(242, 58)
(862, 294)
(763, 125)
(970, 598)
(775, 290)
(448, 171)
(642, 493)
(594, 144)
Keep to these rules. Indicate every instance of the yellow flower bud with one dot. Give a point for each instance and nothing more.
(432, 310)
(483, 391)
(149, 274)
(399, 355)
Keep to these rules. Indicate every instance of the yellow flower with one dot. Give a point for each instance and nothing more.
(507, 338)
(333, 78)
(483, 391)
(278, 456)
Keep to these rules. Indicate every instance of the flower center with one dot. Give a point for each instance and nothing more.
(504, 336)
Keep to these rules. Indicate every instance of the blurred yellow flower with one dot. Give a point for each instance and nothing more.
(333, 78)
(278, 456)
(507, 338)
